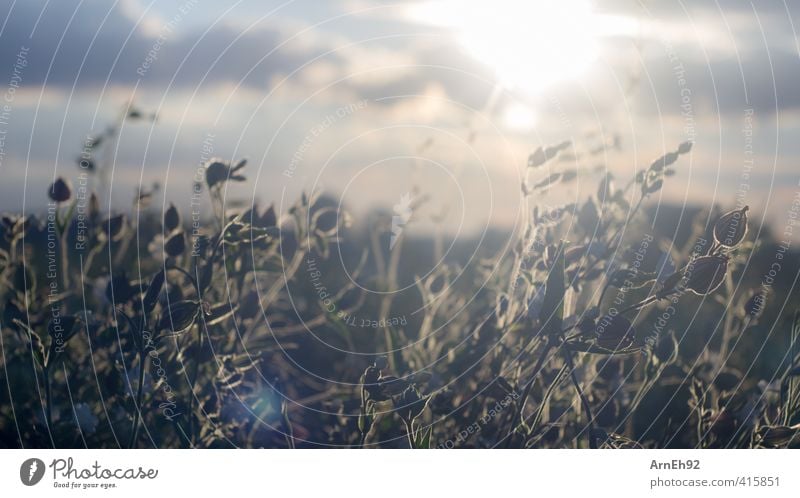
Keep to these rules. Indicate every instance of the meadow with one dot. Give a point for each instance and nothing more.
(613, 323)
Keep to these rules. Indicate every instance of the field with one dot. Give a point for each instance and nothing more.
(616, 323)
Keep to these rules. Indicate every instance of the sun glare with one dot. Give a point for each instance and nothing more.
(529, 44)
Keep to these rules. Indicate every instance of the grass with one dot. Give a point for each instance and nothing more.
(593, 331)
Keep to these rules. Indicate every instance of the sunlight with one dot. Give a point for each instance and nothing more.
(530, 45)
(519, 117)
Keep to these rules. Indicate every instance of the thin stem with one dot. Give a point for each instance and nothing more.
(640, 304)
(48, 398)
(584, 401)
(409, 431)
(195, 375)
(550, 389)
(548, 346)
(137, 416)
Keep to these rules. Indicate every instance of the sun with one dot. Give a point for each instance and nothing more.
(530, 44)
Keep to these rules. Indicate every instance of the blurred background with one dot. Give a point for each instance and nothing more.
(370, 100)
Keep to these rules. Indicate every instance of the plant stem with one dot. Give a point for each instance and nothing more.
(518, 415)
(195, 375)
(584, 401)
(409, 431)
(137, 416)
(48, 398)
(550, 389)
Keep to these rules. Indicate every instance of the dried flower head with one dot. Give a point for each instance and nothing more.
(706, 273)
(731, 227)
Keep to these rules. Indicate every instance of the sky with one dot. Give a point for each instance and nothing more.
(371, 101)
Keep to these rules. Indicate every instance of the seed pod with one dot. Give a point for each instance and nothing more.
(755, 305)
(672, 281)
(391, 385)
(706, 273)
(153, 290)
(179, 316)
(777, 435)
(114, 227)
(370, 376)
(172, 219)
(175, 244)
(216, 172)
(685, 147)
(614, 332)
(731, 227)
(60, 190)
(574, 254)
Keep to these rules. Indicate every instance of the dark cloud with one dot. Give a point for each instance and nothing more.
(89, 43)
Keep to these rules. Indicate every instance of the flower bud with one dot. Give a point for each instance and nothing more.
(60, 190)
(706, 273)
(731, 227)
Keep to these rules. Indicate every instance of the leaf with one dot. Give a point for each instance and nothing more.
(423, 439)
(218, 313)
(544, 154)
(569, 175)
(172, 219)
(179, 316)
(151, 295)
(547, 182)
(552, 312)
(654, 187)
(582, 347)
(37, 346)
(662, 162)
(589, 217)
(175, 244)
(605, 190)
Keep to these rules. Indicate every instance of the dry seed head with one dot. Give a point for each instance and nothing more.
(706, 273)
(731, 227)
(614, 332)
